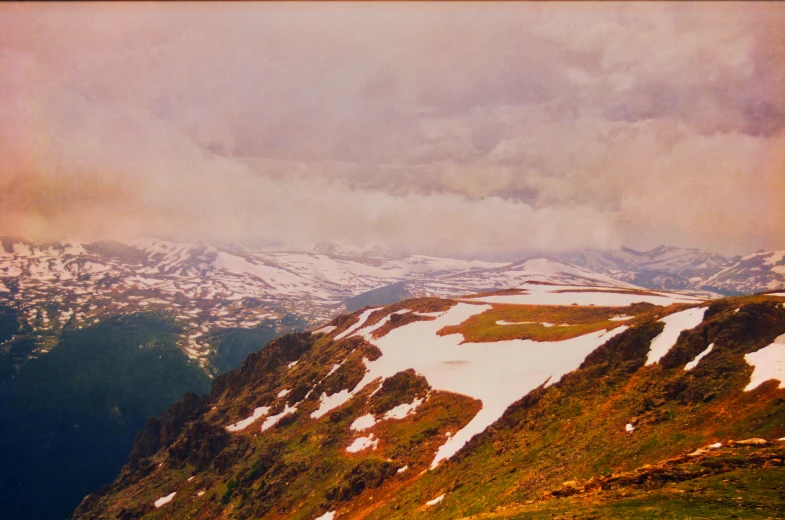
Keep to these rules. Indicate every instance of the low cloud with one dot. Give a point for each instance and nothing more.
(468, 129)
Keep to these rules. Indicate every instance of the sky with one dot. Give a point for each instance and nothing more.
(465, 129)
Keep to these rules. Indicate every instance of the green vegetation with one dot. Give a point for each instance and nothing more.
(562, 322)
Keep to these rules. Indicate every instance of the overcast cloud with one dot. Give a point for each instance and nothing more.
(473, 129)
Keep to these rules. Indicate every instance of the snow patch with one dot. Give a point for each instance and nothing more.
(621, 318)
(401, 470)
(333, 369)
(241, 425)
(284, 392)
(768, 363)
(164, 500)
(775, 258)
(692, 364)
(498, 373)
(505, 322)
(360, 322)
(270, 421)
(674, 325)
(402, 410)
(629, 428)
(329, 515)
(363, 423)
(363, 443)
(327, 403)
(434, 501)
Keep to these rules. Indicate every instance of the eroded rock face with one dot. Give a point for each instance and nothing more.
(162, 431)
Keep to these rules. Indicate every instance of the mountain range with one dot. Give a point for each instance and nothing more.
(215, 288)
(97, 337)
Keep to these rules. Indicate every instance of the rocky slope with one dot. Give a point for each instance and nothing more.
(605, 406)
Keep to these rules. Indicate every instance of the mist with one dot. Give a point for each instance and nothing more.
(465, 129)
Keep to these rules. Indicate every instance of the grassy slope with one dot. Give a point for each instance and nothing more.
(573, 430)
(564, 322)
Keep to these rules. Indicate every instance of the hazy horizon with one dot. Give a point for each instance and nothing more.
(466, 129)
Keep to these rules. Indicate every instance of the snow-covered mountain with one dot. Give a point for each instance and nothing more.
(210, 287)
(762, 271)
(676, 268)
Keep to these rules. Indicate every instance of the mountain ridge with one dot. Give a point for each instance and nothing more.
(322, 440)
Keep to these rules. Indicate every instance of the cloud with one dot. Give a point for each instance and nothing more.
(453, 128)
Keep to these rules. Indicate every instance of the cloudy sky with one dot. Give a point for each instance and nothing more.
(465, 129)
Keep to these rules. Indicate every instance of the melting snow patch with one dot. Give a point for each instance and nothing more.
(270, 421)
(200, 493)
(360, 322)
(504, 322)
(715, 446)
(363, 423)
(328, 403)
(292, 364)
(498, 374)
(674, 325)
(241, 425)
(629, 428)
(401, 470)
(768, 363)
(333, 369)
(402, 410)
(329, 515)
(164, 500)
(283, 392)
(435, 501)
(692, 364)
(362, 443)
(621, 318)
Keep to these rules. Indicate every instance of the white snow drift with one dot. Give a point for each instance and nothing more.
(362, 443)
(692, 364)
(497, 373)
(241, 425)
(674, 325)
(165, 500)
(768, 363)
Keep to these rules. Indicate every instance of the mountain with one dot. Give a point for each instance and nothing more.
(213, 289)
(542, 402)
(763, 271)
(673, 268)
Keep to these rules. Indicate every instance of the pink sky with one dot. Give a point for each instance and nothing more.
(447, 128)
